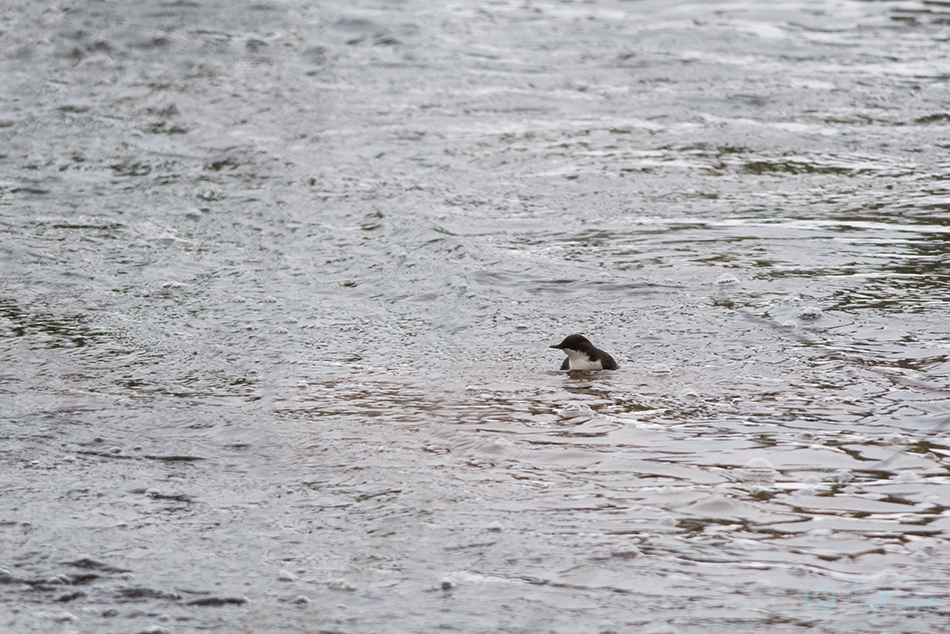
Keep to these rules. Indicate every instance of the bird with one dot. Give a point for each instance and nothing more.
(582, 355)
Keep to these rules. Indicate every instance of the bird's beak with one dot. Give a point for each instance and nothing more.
(558, 347)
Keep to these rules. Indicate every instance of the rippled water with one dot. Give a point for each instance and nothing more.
(278, 281)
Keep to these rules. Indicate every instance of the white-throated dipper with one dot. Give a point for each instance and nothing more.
(582, 355)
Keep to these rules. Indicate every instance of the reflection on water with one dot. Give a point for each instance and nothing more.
(277, 286)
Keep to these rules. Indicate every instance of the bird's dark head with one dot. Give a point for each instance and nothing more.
(574, 342)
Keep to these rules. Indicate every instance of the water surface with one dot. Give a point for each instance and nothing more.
(278, 281)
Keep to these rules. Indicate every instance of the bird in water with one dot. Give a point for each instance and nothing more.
(582, 355)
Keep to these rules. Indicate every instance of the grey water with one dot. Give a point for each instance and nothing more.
(278, 281)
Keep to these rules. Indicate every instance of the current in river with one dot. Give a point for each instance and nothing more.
(279, 281)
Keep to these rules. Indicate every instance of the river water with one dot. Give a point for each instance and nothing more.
(278, 281)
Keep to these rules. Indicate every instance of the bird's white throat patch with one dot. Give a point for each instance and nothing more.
(580, 361)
